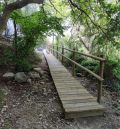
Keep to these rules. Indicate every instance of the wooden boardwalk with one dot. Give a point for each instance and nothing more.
(75, 99)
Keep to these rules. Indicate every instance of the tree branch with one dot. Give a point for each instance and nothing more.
(76, 6)
(13, 6)
(55, 8)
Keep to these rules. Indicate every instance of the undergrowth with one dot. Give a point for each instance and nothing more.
(111, 71)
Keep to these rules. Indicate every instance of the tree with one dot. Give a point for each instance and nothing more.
(37, 25)
(9, 8)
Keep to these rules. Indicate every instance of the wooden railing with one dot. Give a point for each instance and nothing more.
(74, 52)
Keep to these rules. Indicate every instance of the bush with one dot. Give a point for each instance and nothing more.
(116, 86)
(23, 65)
(67, 63)
(35, 58)
(112, 72)
(6, 55)
(20, 61)
(78, 57)
(89, 64)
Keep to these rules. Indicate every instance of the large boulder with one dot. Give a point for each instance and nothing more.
(8, 75)
(21, 77)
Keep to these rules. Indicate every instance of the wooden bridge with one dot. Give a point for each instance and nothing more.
(75, 99)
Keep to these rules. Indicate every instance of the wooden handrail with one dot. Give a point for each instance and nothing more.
(82, 67)
(88, 55)
(98, 77)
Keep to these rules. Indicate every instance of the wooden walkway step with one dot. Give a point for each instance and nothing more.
(75, 99)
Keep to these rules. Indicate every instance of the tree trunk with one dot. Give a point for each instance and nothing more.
(15, 42)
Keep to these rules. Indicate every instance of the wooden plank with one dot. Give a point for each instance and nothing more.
(84, 108)
(63, 92)
(69, 86)
(82, 95)
(69, 115)
(75, 99)
(80, 105)
(64, 80)
(73, 91)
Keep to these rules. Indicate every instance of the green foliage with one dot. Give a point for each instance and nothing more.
(38, 24)
(113, 67)
(33, 27)
(116, 86)
(35, 58)
(86, 62)
(6, 55)
(91, 65)
(23, 65)
(1, 6)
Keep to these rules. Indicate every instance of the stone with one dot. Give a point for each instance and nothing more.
(42, 83)
(44, 91)
(79, 75)
(29, 81)
(21, 77)
(34, 75)
(39, 70)
(117, 112)
(8, 75)
(115, 104)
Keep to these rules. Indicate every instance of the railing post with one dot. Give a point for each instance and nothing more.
(73, 58)
(102, 63)
(57, 50)
(62, 54)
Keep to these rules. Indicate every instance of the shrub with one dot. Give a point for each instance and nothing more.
(112, 72)
(23, 65)
(89, 64)
(6, 55)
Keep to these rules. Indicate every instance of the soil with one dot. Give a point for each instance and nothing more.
(37, 106)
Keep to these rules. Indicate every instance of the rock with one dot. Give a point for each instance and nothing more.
(34, 75)
(8, 75)
(117, 112)
(29, 81)
(79, 75)
(42, 83)
(21, 77)
(115, 104)
(4, 108)
(44, 91)
(118, 101)
(39, 70)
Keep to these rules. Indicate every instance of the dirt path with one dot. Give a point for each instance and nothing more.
(37, 106)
